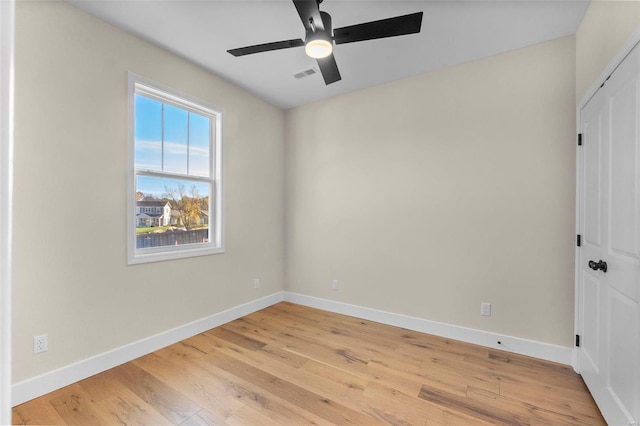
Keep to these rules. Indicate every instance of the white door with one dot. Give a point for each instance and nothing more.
(609, 217)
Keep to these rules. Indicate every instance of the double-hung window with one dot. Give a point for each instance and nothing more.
(175, 170)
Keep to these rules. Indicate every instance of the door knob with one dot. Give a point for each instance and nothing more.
(601, 264)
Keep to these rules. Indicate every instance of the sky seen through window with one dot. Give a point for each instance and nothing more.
(172, 140)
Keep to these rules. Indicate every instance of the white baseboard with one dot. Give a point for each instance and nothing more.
(56, 379)
(546, 351)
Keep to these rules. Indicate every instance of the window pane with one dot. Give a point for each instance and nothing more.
(171, 212)
(148, 133)
(199, 141)
(175, 140)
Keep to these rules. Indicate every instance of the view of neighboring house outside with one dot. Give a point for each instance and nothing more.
(159, 213)
(204, 217)
(153, 213)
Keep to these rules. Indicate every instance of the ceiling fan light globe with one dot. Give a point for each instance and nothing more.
(318, 48)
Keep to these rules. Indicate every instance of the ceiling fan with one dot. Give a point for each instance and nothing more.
(319, 38)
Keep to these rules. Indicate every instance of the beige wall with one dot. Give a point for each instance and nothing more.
(432, 194)
(606, 26)
(71, 279)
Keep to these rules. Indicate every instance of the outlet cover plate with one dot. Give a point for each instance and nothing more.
(40, 343)
(485, 309)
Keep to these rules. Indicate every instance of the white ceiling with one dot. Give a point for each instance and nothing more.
(453, 32)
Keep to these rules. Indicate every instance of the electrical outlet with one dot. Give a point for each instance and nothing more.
(256, 283)
(334, 285)
(485, 309)
(40, 343)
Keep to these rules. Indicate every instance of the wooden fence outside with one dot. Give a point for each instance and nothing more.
(171, 238)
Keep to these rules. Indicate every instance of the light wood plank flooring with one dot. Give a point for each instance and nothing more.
(293, 365)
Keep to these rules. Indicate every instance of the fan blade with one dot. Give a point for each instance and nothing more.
(308, 10)
(390, 27)
(329, 69)
(276, 45)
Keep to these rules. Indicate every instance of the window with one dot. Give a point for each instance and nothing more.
(174, 207)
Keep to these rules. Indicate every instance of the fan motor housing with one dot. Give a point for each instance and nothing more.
(325, 34)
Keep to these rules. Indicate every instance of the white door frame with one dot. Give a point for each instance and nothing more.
(611, 67)
(7, 22)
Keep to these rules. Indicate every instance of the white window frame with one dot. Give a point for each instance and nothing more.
(215, 244)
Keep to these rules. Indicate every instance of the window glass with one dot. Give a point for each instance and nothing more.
(148, 133)
(199, 136)
(175, 140)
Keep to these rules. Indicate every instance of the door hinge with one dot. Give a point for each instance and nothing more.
(577, 340)
(579, 139)
(579, 240)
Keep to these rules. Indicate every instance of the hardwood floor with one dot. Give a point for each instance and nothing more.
(293, 365)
